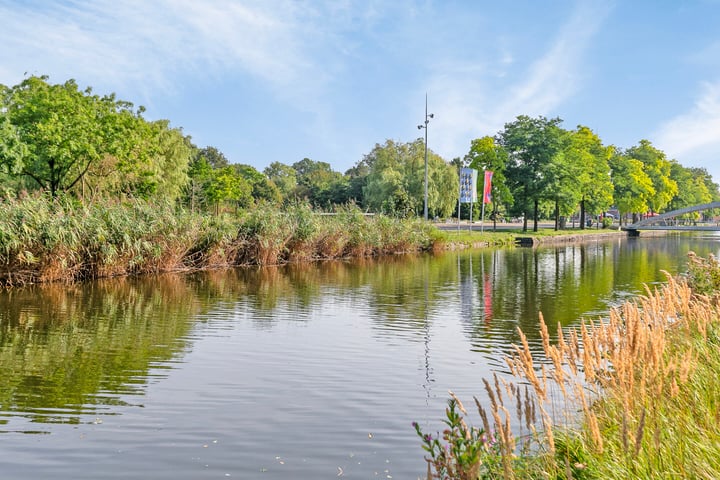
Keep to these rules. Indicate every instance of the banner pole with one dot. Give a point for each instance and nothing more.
(459, 195)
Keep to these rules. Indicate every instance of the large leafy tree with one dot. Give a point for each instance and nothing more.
(262, 187)
(396, 179)
(531, 144)
(284, 177)
(214, 157)
(356, 177)
(66, 131)
(633, 187)
(581, 174)
(227, 186)
(657, 167)
(315, 180)
(707, 179)
(692, 189)
(486, 154)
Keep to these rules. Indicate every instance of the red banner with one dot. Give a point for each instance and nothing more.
(487, 188)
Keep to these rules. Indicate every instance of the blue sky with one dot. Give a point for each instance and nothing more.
(280, 80)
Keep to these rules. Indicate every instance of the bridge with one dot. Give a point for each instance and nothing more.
(668, 221)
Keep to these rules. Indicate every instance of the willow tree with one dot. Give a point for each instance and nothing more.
(396, 180)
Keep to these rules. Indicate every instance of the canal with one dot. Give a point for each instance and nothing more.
(304, 371)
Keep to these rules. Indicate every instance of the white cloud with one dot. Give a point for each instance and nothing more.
(693, 138)
(477, 106)
(138, 42)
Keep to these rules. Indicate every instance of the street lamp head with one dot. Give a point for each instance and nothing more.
(432, 115)
(420, 127)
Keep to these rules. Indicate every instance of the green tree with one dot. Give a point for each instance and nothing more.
(692, 189)
(531, 144)
(356, 178)
(395, 183)
(314, 179)
(262, 187)
(712, 187)
(227, 186)
(66, 131)
(12, 149)
(582, 167)
(486, 154)
(214, 157)
(657, 167)
(284, 177)
(633, 187)
(200, 175)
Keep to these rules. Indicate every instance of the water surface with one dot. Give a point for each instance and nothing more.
(309, 371)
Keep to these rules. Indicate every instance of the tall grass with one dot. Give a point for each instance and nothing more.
(44, 240)
(633, 396)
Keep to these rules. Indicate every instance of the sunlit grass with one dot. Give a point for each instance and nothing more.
(44, 240)
(635, 395)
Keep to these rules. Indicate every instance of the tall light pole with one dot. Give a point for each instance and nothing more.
(425, 126)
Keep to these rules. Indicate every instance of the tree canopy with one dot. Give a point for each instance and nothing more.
(61, 139)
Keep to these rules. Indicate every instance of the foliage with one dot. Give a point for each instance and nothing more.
(395, 184)
(584, 173)
(263, 189)
(531, 144)
(45, 240)
(633, 188)
(693, 189)
(703, 274)
(284, 177)
(315, 180)
(658, 168)
(226, 185)
(631, 396)
(68, 140)
(462, 452)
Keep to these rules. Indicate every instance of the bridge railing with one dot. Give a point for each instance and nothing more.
(667, 220)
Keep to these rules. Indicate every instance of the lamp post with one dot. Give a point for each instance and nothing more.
(425, 126)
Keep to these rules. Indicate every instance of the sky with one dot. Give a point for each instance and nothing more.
(282, 80)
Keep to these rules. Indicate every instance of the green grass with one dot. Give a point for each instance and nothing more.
(635, 396)
(43, 240)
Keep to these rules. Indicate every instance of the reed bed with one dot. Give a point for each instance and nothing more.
(44, 240)
(635, 395)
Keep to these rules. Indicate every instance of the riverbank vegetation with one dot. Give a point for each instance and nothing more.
(63, 140)
(632, 396)
(44, 240)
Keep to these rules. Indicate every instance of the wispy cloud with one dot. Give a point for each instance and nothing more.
(137, 42)
(478, 106)
(696, 133)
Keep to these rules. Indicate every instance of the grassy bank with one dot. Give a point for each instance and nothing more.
(43, 240)
(633, 396)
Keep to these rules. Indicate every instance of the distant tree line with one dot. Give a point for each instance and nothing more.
(59, 139)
